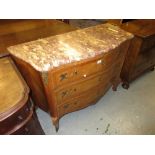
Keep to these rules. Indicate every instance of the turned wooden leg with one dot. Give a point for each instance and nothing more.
(125, 85)
(152, 69)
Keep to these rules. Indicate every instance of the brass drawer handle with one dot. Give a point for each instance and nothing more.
(64, 93)
(68, 92)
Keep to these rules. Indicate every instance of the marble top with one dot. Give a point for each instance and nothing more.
(47, 53)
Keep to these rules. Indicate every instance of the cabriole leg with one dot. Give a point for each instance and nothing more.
(57, 126)
(56, 123)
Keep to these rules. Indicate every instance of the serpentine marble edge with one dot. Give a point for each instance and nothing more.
(47, 53)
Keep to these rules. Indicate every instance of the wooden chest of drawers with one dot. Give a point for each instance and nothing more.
(75, 69)
(141, 53)
(17, 114)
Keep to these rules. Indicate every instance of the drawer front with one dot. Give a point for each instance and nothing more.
(73, 90)
(32, 127)
(81, 71)
(25, 130)
(148, 43)
(83, 101)
(100, 65)
(78, 102)
(15, 119)
(86, 85)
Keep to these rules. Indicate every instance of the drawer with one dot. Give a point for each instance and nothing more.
(78, 102)
(32, 127)
(86, 85)
(73, 90)
(83, 100)
(67, 75)
(25, 130)
(100, 65)
(148, 43)
(15, 119)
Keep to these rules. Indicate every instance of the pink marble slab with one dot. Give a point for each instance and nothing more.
(47, 53)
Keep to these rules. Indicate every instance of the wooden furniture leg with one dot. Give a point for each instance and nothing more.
(125, 85)
(115, 84)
